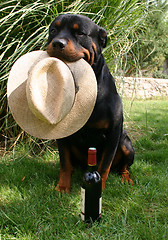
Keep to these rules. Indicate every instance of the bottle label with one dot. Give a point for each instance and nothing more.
(83, 204)
(100, 206)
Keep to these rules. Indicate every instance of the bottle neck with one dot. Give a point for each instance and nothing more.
(92, 161)
(92, 168)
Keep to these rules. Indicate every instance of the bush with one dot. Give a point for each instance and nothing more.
(153, 45)
(160, 74)
(24, 27)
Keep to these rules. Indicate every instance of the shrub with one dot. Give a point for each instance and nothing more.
(24, 27)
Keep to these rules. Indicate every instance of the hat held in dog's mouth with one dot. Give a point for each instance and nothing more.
(48, 98)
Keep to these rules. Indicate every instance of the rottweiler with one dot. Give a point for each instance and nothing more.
(72, 37)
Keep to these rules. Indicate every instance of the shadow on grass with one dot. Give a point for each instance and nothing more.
(29, 203)
(32, 209)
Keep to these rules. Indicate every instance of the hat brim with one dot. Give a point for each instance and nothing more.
(85, 98)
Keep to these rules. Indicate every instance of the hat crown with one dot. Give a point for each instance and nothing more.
(50, 90)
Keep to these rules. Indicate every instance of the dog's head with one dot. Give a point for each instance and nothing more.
(72, 37)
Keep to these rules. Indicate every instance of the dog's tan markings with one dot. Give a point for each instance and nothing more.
(58, 23)
(102, 124)
(75, 26)
(70, 53)
(125, 176)
(105, 174)
(50, 49)
(91, 58)
(85, 52)
(125, 150)
(104, 34)
(65, 174)
(94, 47)
(93, 53)
(70, 48)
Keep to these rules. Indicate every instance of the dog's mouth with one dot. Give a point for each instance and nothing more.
(90, 56)
(67, 52)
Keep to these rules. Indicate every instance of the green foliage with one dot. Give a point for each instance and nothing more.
(31, 209)
(24, 27)
(160, 74)
(152, 47)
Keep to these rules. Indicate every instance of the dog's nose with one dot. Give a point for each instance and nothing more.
(59, 43)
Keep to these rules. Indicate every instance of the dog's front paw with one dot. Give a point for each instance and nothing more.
(62, 189)
(64, 183)
(126, 178)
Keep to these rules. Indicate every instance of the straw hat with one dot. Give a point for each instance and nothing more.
(48, 98)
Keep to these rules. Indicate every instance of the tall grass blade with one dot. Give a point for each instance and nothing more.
(24, 28)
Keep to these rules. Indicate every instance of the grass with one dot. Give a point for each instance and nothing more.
(30, 208)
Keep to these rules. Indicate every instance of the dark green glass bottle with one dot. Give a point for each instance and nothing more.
(91, 190)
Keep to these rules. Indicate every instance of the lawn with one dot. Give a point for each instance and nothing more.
(30, 208)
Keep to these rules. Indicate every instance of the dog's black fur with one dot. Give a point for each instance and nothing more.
(72, 37)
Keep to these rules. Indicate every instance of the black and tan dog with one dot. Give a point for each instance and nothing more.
(72, 37)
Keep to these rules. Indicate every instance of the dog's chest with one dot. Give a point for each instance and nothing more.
(89, 137)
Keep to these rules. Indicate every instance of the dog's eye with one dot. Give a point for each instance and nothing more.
(53, 30)
(80, 33)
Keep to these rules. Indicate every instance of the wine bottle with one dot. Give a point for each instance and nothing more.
(91, 190)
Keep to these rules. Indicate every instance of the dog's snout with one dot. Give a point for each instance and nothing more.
(59, 43)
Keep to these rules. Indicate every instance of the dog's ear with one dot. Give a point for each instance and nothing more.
(102, 37)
